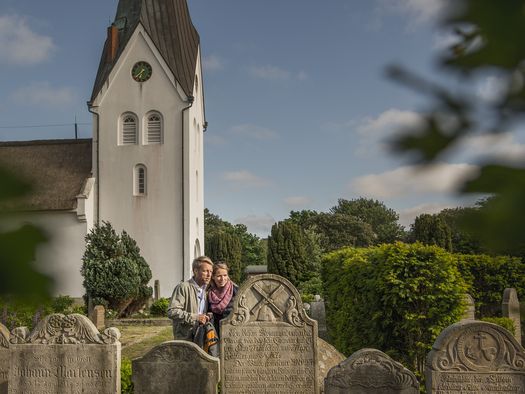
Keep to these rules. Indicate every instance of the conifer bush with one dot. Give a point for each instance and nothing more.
(115, 274)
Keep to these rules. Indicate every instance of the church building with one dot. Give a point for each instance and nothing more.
(142, 170)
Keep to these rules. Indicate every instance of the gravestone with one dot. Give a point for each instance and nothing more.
(176, 367)
(475, 357)
(156, 290)
(64, 354)
(370, 371)
(268, 344)
(97, 317)
(510, 307)
(318, 313)
(328, 357)
(470, 311)
(4, 358)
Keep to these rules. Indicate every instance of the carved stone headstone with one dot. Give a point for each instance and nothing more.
(328, 357)
(475, 357)
(268, 343)
(98, 317)
(510, 307)
(370, 371)
(156, 290)
(64, 354)
(176, 367)
(318, 313)
(4, 358)
(470, 311)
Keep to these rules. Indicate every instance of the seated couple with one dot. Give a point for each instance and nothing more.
(206, 297)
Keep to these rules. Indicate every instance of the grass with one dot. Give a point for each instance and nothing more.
(138, 340)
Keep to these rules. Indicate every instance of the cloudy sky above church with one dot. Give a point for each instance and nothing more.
(297, 101)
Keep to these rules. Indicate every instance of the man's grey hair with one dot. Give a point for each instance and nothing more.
(199, 260)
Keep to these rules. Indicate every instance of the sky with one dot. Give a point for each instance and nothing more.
(299, 109)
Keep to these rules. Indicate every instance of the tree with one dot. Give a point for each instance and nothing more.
(383, 220)
(115, 274)
(339, 230)
(221, 246)
(484, 50)
(288, 253)
(462, 240)
(431, 230)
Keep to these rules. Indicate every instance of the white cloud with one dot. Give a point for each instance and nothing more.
(501, 147)
(270, 72)
(244, 178)
(258, 225)
(407, 216)
(19, 45)
(412, 180)
(445, 40)
(418, 11)
(254, 131)
(212, 63)
(297, 201)
(42, 94)
(492, 88)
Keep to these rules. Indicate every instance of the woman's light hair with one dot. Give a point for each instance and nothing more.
(220, 265)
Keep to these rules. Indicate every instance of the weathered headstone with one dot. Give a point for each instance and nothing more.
(328, 357)
(370, 371)
(475, 357)
(98, 316)
(268, 343)
(156, 290)
(4, 358)
(176, 367)
(510, 307)
(64, 354)
(470, 311)
(318, 313)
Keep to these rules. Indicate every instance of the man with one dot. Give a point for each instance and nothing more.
(189, 302)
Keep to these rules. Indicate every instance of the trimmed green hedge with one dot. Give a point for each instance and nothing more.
(394, 297)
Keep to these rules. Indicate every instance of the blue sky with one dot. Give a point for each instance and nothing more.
(296, 98)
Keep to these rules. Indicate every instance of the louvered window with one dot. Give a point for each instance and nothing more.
(140, 181)
(129, 129)
(154, 128)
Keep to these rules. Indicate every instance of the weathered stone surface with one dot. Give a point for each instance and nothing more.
(318, 313)
(268, 343)
(98, 317)
(328, 357)
(475, 357)
(156, 290)
(370, 371)
(176, 367)
(470, 311)
(510, 307)
(64, 354)
(4, 358)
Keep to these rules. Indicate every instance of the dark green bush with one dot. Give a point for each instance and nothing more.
(504, 322)
(395, 297)
(62, 304)
(160, 307)
(114, 270)
(125, 376)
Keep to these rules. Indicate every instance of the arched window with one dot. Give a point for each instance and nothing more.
(128, 129)
(140, 180)
(154, 128)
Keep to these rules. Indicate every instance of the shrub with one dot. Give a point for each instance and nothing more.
(395, 297)
(125, 376)
(114, 271)
(62, 304)
(160, 307)
(504, 322)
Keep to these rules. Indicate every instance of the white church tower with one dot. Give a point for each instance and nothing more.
(148, 123)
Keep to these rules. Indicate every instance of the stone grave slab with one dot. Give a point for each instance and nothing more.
(98, 317)
(4, 358)
(176, 367)
(510, 307)
(64, 354)
(328, 357)
(268, 344)
(470, 310)
(475, 357)
(370, 371)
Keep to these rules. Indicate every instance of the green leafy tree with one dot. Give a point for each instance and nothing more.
(383, 220)
(115, 274)
(394, 297)
(491, 43)
(222, 246)
(431, 230)
(339, 230)
(462, 240)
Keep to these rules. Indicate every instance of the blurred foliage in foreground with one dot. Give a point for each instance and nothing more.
(491, 44)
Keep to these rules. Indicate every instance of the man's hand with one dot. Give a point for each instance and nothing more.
(203, 319)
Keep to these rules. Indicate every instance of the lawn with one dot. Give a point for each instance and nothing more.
(138, 340)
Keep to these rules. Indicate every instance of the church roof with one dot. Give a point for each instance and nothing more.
(56, 169)
(169, 25)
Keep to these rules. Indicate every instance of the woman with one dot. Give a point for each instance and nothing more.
(221, 293)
